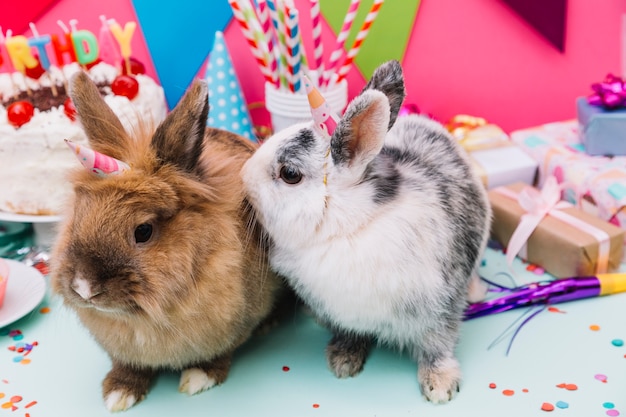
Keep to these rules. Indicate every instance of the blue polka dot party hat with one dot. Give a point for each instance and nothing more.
(228, 109)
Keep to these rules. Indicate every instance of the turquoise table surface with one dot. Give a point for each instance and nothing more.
(556, 359)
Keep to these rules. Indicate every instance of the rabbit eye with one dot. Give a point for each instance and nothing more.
(290, 175)
(143, 232)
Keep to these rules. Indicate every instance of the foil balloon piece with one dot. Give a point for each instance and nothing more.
(324, 118)
(96, 162)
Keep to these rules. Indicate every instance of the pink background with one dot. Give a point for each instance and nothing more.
(472, 56)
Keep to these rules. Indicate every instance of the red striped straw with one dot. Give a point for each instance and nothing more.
(318, 51)
(266, 27)
(247, 31)
(294, 63)
(341, 40)
(360, 37)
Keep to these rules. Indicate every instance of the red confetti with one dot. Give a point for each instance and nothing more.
(285, 368)
(525, 390)
(531, 267)
(571, 387)
(16, 399)
(562, 385)
(316, 406)
(547, 407)
(508, 392)
(555, 310)
(30, 404)
(492, 386)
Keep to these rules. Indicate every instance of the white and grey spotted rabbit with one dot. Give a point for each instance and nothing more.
(379, 229)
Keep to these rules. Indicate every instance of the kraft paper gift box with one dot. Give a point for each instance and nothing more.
(595, 184)
(560, 248)
(602, 131)
(496, 159)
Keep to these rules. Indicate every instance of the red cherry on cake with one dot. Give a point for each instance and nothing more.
(136, 66)
(125, 85)
(20, 113)
(36, 72)
(69, 109)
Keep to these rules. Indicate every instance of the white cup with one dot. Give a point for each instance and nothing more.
(287, 108)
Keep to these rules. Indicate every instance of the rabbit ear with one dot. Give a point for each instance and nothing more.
(388, 78)
(179, 139)
(361, 132)
(103, 128)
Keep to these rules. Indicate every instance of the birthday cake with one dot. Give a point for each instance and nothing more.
(36, 115)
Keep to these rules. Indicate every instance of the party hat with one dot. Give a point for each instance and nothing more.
(324, 118)
(97, 162)
(228, 109)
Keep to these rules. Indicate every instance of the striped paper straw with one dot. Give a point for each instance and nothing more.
(266, 27)
(255, 47)
(341, 40)
(294, 62)
(279, 27)
(318, 51)
(259, 36)
(360, 37)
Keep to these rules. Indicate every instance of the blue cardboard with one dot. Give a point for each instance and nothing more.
(602, 131)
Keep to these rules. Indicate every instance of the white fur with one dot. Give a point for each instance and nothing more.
(82, 288)
(119, 400)
(194, 380)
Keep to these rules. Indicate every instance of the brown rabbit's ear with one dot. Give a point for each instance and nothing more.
(179, 139)
(388, 78)
(360, 134)
(103, 128)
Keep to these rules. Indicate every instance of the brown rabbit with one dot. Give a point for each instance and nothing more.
(163, 263)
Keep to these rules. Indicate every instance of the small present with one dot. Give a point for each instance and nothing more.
(494, 157)
(602, 131)
(539, 227)
(595, 184)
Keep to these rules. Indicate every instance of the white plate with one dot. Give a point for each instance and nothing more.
(26, 288)
(27, 218)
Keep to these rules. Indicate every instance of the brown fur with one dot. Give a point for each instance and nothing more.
(199, 287)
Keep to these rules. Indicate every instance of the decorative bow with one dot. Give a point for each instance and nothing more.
(475, 133)
(539, 204)
(324, 118)
(96, 162)
(610, 94)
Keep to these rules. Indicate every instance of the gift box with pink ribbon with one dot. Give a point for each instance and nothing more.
(539, 227)
(496, 159)
(595, 184)
(602, 118)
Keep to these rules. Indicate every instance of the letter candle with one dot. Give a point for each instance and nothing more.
(40, 43)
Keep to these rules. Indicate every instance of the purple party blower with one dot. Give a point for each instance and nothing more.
(550, 292)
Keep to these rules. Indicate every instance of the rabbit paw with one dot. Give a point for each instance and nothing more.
(441, 383)
(119, 400)
(124, 386)
(346, 354)
(195, 380)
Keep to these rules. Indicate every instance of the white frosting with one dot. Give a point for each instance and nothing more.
(34, 160)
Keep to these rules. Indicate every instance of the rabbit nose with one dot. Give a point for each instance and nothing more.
(82, 288)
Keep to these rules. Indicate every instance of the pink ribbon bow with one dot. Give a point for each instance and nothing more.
(539, 204)
(610, 94)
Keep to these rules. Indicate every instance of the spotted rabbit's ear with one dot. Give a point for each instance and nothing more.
(97, 162)
(324, 118)
(389, 79)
